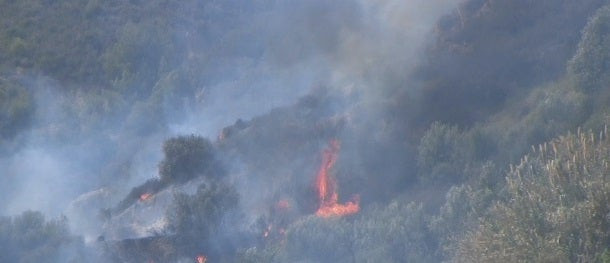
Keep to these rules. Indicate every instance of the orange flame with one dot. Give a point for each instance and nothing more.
(145, 197)
(201, 258)
(327, 187)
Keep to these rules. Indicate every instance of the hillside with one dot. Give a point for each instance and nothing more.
(304, 131)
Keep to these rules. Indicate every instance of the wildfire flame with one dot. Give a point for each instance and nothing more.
(201, 258)
(145, 197)
(327, 187)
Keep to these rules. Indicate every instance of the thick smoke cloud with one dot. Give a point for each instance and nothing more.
(367, 47)
(266, 57)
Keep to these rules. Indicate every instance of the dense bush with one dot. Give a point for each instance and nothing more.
(138, 57)
(16, 109)
(314, 239)
(491, 87)
(491, 50)
(461, 212)
(439, 154)
(445, 153)
(590, 65)
(186, 157)
(556, 206)
(398, 232)
(196, 219)
(30, 238)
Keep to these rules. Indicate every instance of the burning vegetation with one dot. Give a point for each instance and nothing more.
(327, 186)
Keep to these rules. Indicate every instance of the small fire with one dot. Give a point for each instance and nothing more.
(327, 187)
(145, 197)
(201, 258)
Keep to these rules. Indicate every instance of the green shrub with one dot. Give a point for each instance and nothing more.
(445, 153)
(195, 219)
(556, 206)
(398, 232)
(16, 109)
(28, 237)
(315, 239)
(590, 66)
(134, 61)
(187, 157)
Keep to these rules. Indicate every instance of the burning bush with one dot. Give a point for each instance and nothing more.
(327, 187)
(186, 157)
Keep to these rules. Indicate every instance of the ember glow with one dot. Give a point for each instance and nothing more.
(327, 187)
(201, 259)
(145, 197)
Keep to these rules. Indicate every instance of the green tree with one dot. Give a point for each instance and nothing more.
(398, 232)
(187, 157)
(555, 210)
(445, 153)
(315, 239)
(437, 153)
(195, 219)
(29, 237)
(590, 66)
(16, 108)
(136, 60)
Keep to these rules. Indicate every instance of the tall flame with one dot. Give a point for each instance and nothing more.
(327, 186)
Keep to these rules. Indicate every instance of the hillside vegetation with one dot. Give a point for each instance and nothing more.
(493, 147)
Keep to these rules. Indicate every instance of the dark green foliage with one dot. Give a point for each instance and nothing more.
(137, 59)
(68, 39)
(52, 37)
(491, 50)
(492, 87)
(445, 152)
(459, 215)
(547, 112)
(149, 249)
(590, 65)
(30, 238)
(196, 219)
(556, 209)
(92, 111)
(186, 157)
(439, 154)
(314, 239)
(16, 109)
(398, 232)
(605, 257)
